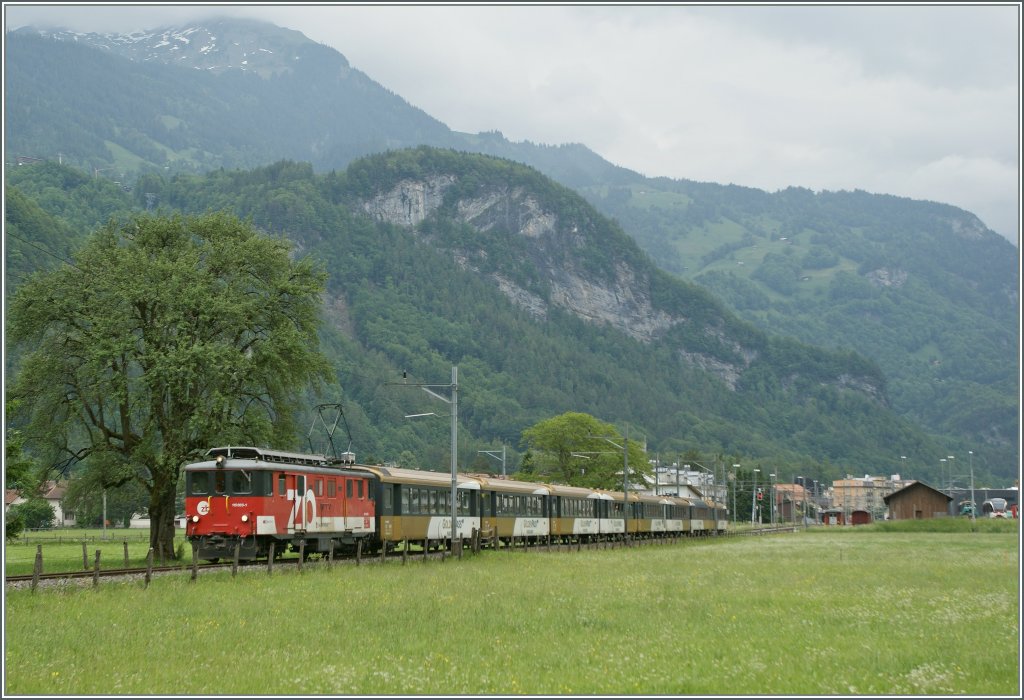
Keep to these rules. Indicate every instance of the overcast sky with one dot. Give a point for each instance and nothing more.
(915, 101)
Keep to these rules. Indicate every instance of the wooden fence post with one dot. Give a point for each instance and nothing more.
(270, 559)
(195, 560)
(126, 554)
(302, 553)
(149, 565)
(96, 571)
(405, 551)
(85, 556)
(330, 553)
(37, 567)
(234, 564)
(359, 551)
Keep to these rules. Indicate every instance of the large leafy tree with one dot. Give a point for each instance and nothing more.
(167, 335)
(579, 450)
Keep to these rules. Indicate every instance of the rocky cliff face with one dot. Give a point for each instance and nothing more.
(623, 302)
(554, 248)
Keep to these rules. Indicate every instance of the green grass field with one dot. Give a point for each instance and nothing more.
(826, 612)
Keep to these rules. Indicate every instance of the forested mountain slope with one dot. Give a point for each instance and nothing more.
(922, 288)
(439, 259)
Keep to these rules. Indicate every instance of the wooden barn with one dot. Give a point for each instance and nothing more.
(917, 501)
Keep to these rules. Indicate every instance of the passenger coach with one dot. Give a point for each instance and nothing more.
(417, 505)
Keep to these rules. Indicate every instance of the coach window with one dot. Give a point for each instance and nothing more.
(405, 499)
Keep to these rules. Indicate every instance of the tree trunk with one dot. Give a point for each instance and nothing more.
(161, 510)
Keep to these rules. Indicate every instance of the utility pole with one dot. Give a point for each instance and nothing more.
(625, 477)
(949, 481)
(753, 499)
(973, 506)
(734, 477)
(454, 402)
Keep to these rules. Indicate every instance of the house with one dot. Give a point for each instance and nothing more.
(684, 482)
(53, 493)
(917, 502)
(792, 502)
(12, 497)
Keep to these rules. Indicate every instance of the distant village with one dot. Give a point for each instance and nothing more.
(849, 501)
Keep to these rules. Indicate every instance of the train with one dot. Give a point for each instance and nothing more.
(994, 508)
(251, 502)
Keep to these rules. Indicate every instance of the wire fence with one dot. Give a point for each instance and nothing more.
(64, 535)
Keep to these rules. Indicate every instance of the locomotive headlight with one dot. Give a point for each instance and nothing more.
(245, 518)
(195, 518)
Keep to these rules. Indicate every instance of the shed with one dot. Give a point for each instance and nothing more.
(917, 501)
(860, 517)
(833, 516)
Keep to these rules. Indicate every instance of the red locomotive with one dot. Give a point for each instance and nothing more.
(249, 497)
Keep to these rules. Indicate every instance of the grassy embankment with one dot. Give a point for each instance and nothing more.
(839, 611)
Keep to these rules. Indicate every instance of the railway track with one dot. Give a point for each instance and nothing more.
(85, 576)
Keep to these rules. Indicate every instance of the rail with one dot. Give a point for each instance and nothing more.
(429, 550)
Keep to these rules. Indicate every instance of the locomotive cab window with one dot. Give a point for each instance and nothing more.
(198, 483)
(232, 482)
(241, 482)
